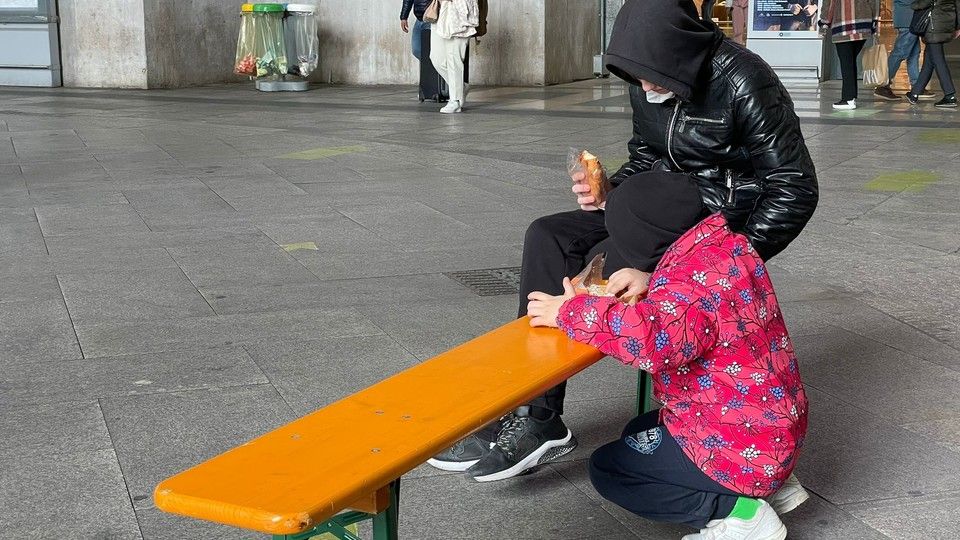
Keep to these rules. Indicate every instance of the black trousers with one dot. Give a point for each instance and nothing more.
(647, 473)
(934, 59)
(848, 51)
(559, 246)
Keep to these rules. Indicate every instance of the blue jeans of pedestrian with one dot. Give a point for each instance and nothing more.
(906, 47)
(418, 28)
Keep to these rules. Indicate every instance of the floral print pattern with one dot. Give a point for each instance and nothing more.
(711, 330)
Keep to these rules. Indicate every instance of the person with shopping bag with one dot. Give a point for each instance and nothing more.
(938, 23)
(850, 23)
(906, 47)
(457, 22)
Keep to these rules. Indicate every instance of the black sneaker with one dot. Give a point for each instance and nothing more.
(948, 102)
(462, 455)
(912, 98)
(523, 443)
(885, 92)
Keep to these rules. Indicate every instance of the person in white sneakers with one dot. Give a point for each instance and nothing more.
(850, 23)
(458, 22)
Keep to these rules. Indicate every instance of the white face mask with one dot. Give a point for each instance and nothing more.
(657, 97)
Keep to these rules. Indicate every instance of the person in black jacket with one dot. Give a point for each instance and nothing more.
(418, 7)
(944, 27)
(704, 107)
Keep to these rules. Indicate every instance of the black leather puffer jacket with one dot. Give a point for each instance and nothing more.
(740, 138)
(732, 127)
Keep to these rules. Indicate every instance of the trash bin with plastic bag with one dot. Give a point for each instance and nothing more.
(269, 46)
(246, 59)
(302, 40)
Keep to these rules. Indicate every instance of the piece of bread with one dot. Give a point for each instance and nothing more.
(596, 177)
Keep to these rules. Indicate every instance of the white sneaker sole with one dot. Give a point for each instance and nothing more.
(549, 450)
(790, 503)
(455, 466)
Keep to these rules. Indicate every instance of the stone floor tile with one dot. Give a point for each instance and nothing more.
(51, 428)
(889, 383)
(312, 374)
(836, 466)
(914, 518)
(36, 330)
(219, 264)
(428, 329)
(393, 290)
(145, 294)
(79, 495)
(114, 339)
(158, 435)
(454, 507)
(114, 376)
(59, 220)
(363, 264)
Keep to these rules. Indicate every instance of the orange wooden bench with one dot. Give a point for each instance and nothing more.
(321, 473)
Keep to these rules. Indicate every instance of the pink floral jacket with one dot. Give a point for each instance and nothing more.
(711, 332)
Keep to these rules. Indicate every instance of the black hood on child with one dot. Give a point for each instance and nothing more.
(646, 214)
(664, 42)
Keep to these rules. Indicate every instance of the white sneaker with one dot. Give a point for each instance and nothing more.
(766, 525)
(790, 496)
(451, 107)
(845, 105)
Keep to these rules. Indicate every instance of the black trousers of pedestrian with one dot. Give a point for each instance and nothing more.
(848, 51)
(934, 59)
(647, 473)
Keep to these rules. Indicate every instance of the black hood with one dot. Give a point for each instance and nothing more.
(649, 212)
(664, 42)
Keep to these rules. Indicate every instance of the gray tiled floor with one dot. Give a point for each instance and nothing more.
(183, 270)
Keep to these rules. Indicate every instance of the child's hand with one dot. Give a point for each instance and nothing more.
(544, 308)
(628, 282)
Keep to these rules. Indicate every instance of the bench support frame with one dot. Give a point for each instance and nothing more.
(385, 523)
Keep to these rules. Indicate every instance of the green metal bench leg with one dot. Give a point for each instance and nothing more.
(644, 393)
(386, 523)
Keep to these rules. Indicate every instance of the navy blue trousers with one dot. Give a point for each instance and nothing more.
(646, 472)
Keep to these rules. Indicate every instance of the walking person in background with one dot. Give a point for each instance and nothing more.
(850, 23)
(944, 28)
(458, 22)
(418, 7)
(906, 47)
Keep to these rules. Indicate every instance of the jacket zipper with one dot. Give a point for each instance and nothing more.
(704, 120)
(729, 186)
(673, 123)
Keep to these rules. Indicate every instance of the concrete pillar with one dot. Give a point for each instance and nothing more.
(160, 44)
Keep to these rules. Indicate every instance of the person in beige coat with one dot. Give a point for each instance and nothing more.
(448, 46)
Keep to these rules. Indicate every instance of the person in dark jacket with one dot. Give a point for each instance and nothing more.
(944, 28)
(703, 106)
(418, 7)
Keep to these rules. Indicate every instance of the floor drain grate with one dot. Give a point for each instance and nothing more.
(489, 282)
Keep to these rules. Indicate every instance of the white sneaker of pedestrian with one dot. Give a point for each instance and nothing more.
(765, 525)
(451, 107)
(790, 496)
(845, 105)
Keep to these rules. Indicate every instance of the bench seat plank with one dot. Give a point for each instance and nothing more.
(294, 477)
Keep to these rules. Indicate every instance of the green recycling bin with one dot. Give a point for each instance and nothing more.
(269, 46)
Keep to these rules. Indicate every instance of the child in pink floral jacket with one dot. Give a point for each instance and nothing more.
(734, 412)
